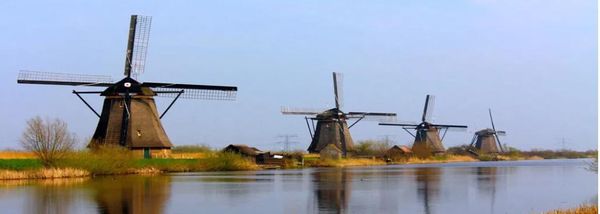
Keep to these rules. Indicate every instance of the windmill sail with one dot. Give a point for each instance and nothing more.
(137, 44)
(337, 90)
(191, 91)
(49, 78)
(428, 108)
(373, 116)
(301, 111)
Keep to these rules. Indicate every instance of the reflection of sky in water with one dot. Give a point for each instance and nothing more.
(484, 187)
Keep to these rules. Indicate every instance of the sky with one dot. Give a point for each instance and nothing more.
(533, 62)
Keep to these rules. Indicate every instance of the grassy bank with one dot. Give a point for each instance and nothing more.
(117, 160)
(112, 161)
(314, 161)
(582, 209)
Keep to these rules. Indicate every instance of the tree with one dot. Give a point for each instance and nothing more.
(48, 140)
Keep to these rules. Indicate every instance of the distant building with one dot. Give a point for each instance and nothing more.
(258, 156)
(398, 152)
(243, 150)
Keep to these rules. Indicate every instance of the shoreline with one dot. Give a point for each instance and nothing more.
(69, 172)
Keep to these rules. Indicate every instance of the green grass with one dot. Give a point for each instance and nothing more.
(20, 164)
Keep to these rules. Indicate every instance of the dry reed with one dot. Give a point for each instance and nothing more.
(48, 173)
(581, 209)
(17, 155)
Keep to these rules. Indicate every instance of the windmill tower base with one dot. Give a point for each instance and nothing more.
(427, 143)
(486, 144)
(145, 134)
(329, 132)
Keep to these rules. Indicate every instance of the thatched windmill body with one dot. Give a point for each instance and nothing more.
(331, 127)
(129, 116)
(427, 135)
(487, 140)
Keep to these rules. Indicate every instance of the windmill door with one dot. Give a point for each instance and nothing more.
(147, 153)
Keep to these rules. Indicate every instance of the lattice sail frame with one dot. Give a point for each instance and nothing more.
(140, 45)
(38, 77)
(338, 88)
(373, 116)
(301, 111)
(204, 94)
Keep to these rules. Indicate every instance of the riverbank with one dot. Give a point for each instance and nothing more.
(582, 209)
(121, 162)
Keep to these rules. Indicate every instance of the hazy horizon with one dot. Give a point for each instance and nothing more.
(534, 63)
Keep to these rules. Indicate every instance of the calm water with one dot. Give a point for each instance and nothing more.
(483, 187)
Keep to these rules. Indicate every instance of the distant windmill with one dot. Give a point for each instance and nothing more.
(485, 140)
(427, 138)
(331, 125)
(129, 115)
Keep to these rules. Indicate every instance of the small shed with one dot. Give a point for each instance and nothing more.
(243, 150)
(331, 151)
(398, 152)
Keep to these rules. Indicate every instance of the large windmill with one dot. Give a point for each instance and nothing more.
(129, 116)
(427, 136)
(487, 140)
(332, 127)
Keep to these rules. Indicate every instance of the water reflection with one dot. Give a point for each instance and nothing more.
(428, 182)
(50, 199)
(486, 183)
(505, 187)
(131, 194)
(332, 190)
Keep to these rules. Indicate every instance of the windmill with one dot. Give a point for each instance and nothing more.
(129, 116)
(486, 140)
(427, 136)
(332, 127)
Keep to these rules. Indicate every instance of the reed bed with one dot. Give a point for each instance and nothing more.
(344, 162)
(581, 209)
(49, 173)
(439, 159)
(189, 155)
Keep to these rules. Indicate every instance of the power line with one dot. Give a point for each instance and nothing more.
(286, 141)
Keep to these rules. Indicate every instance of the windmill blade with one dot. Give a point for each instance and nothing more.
(449, 126)
(499, 144)
(137, 44)
(491, 119)
(337, 90)
(496, 133)
(206, 92)
(473, 141)
(140, 44)
(300, 111)
(48, 78)
(376, 116)
(399, 124)
(428, 108)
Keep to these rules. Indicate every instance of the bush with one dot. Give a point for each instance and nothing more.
(49, 140)
(371, 148)
(458, 150)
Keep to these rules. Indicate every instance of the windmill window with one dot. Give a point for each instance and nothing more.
(139, 133)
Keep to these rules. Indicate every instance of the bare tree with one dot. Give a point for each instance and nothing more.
(49, 140)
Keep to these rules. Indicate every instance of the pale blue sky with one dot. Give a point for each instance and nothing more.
(533, 62)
